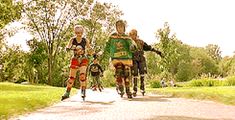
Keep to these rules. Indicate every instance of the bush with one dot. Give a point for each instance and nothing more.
(155, 84)
(205, 82)
(108, 80)
(230, 81)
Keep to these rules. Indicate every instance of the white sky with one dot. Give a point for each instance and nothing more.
(195, 22)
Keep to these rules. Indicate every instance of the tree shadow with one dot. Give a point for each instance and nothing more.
(67, 109)
(101, 103)
(151, 98)
(180, 118)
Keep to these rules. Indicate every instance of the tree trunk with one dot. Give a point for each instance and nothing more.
(49, 68)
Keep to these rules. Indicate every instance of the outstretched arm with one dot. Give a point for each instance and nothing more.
(147, 47)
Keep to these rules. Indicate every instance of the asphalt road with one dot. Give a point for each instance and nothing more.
(108, 105)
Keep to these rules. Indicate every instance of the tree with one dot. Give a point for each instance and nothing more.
(174, 51)
(10, 11)
(225, 66)
(100, 21)
(214, 52)
(35, 61)
(208, 65)
(13, 59)
(49, 21)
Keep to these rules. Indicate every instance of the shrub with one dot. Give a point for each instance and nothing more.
(155, 84)
(108, 80)
(230, 81)
(205, 82)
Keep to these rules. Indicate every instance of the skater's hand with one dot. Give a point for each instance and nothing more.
(67, 49)
(161, 54)
(101, 75)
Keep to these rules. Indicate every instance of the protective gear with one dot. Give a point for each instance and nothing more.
(79, 61)
(127, 71)
(119, 70)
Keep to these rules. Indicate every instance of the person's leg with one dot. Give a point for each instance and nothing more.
(119, 78)
(72, 77)
(93, 86)
(135, 77)
(83, 76)
(142, 71)
(127, 79)
(99, 83)
(142, 84)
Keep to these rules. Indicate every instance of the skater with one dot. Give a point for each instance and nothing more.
(79, 62)
(95, 71)
(120, 46)
(139, 62)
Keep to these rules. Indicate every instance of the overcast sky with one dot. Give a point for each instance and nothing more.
(195, 22)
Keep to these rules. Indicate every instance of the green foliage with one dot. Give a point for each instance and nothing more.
(225, 66)
(153, 62)
(214, 52)
(100, 21)
(108, 80)
(230, 81)
(12, 61)
(185, 72)
(155, 84)
(10, 10)
(205, 82)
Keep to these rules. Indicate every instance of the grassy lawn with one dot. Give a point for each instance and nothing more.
(223, 94)
(17, 99)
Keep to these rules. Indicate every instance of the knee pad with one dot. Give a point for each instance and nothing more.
(142, 77)
(127, 71)
(119, 69)
(119, 80)
(71, 79)
(82, 77)
(127, 83)
(74, 63)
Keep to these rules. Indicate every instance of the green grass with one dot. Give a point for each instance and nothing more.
(17, 99)
(221, 94)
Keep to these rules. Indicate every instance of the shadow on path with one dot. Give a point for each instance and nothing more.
(179, 118)
(151, 98)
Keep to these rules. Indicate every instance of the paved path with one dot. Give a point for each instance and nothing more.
(107, 105)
